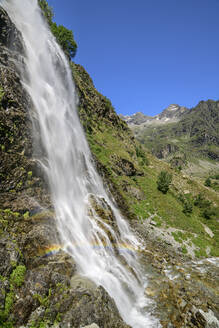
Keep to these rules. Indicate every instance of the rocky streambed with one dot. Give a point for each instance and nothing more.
(185, 290)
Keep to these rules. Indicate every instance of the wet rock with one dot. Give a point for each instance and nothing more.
(78, 282)
(9, 35)
(93, 325)
(9, 255)
(92, 305)
(99, 208)
(205, 319)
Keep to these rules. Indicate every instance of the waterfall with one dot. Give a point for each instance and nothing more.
(76, 188)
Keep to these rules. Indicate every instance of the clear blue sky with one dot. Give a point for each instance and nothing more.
(146, 54)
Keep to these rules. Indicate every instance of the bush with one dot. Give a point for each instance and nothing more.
(163, 182)
(208, 182)
(187, 206)
(208, 213)
(201, 202)
(187, 203)
(140, 153)
(18, 275)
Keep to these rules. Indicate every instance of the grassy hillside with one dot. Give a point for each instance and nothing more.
(131, 173)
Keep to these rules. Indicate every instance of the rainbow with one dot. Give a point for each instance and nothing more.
(120, 247)
(50, 250)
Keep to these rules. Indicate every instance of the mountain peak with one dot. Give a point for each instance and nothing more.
(172, 107)
(170, 114)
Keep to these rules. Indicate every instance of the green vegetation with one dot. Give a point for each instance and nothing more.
(208, 182)
(187, 203)
(212, 182)
(29, 174)
(191, 144)
(140, 153)
(184, 250)
(42, 324)
(17, 276)
(164, 181)
(208, 211)
(16, 280)
(136, 192)
(1, 93)
(26, 215)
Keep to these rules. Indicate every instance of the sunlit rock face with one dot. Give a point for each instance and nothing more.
(171, 114)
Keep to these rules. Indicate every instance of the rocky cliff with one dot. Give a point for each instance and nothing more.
(39, 284)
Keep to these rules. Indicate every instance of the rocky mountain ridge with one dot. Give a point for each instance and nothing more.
(184, 137)
(173, 113)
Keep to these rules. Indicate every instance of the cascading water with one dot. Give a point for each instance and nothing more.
(76, 188)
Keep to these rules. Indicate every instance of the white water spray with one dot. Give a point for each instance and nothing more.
(73, 179)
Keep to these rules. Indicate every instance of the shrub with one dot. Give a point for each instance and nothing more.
(187, 206)
(187, 203)
(140, 153)
(18, 275)
(208, 213)
(163, 182)
(208, 182)
(201, 201)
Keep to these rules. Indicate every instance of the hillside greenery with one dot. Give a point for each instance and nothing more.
(131, 173)
(163, 181)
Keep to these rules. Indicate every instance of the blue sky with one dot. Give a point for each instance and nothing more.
(146, 54)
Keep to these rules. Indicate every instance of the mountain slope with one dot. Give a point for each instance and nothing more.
(171, 114)
(131, 172)
(185, 137)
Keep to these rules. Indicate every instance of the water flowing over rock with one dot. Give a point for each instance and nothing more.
(61, 149)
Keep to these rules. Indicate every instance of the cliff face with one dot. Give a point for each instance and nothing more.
(38, 281)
